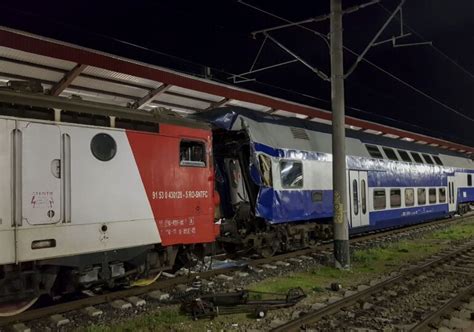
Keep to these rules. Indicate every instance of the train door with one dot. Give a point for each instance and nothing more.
(452, 194)
(358, 198)
(236, 183)
(40, 168)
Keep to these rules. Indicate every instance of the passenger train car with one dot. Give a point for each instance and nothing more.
(278, 171)
(83, 205)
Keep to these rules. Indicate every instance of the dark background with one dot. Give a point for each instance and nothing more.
(188, 35)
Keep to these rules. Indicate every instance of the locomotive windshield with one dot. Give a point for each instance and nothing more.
(192, 153)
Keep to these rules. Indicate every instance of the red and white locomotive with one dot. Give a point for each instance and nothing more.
(84, 205)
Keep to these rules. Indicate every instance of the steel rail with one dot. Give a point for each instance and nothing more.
(312, 317)
(425, 324)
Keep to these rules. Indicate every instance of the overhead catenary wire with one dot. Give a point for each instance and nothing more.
(445, 106)
(317, 33)
(258, 53)
(435, 48)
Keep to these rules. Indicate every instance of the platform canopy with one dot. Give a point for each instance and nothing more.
(65, 70)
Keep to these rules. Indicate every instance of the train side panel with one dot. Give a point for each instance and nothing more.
(180, 187)
(7, 236)
(78, 203)
(132, 191)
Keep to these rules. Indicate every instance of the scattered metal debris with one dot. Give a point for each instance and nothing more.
(244, 301)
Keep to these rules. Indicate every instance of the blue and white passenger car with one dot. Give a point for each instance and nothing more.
(280, 168)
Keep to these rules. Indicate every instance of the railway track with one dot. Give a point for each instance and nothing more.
(379, 237)
(439, 277)
(459, 306)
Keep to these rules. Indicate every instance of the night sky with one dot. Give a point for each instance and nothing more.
(188, 35)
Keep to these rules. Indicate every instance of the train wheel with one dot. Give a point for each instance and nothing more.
(269, 246)
(15, 307)
(269, 249)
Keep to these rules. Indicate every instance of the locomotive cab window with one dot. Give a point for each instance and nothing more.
(291, 174)
(192, 153)
(374, 151)
(103, 147)
(469, 180)
(404, 155)
(390, 153)
(416, 157)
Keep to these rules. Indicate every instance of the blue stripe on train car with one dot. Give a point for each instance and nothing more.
(397, 217)
(398, 178)
(280, 206)
(465, 194)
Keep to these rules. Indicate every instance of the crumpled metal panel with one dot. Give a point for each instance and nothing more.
(283, 206)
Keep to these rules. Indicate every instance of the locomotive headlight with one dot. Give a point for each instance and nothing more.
(42, 244)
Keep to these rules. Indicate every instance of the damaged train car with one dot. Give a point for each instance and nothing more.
(274, 176)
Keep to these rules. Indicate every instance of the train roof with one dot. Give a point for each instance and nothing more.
(225, 117)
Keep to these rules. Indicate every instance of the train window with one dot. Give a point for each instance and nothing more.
(469, 180)
(103, 147)
(404, 155)
(438, 160)
(355, 197)
(427, 158)
(363, 196)
(416, 157)
(395, 198)
(442, 195)
(266, 169)
(432, 195)
(291, 173)
(192, 153)
(452, 193)
(390, 153)
(409, 197)
(380, 202)
(374, 151)
(421, 193)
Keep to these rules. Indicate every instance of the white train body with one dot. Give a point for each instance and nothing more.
(68, 203)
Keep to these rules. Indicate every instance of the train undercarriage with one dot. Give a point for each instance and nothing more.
(23, 283)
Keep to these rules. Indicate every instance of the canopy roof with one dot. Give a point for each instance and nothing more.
(65, 70)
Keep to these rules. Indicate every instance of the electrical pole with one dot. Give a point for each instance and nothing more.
(341, 225)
